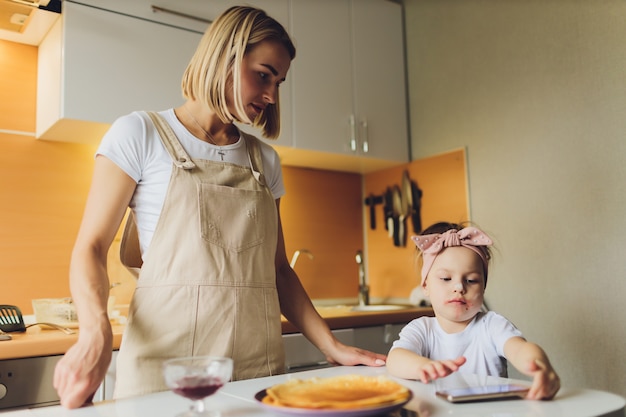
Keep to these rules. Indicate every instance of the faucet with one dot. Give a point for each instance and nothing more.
(297, 253)
(364, 289)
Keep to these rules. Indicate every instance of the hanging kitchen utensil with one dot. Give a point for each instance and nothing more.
(407, 205)
(12, 320)
(388, 211)
(416, 215)
(371, 201)
(398, 217)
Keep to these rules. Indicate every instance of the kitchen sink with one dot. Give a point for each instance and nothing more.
(381, 307)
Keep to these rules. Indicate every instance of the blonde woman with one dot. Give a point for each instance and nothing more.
(214, 274)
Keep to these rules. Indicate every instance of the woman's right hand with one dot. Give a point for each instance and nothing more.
(82, 369)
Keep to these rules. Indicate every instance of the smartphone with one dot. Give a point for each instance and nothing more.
(483, 393)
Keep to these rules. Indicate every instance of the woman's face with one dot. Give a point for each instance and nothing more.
(263, 69)
(456, 287)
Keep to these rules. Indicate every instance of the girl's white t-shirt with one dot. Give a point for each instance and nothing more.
(133, 144)
(482, 342)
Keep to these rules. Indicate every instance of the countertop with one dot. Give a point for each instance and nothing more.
(37, 341)
(237, 399)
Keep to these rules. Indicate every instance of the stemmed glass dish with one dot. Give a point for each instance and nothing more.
(196, 378)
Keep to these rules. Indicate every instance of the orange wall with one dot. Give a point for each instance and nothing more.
(43, 187)
(442, 179)
(18, 86)
(322, 212)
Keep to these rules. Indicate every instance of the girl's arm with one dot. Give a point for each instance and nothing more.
(531, 360)
(409, 365)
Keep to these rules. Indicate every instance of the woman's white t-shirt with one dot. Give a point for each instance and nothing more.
(133, 144)
(482, 342)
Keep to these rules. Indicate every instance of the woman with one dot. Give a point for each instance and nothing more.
(206, 198)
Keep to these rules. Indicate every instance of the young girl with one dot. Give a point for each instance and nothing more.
(461, 337)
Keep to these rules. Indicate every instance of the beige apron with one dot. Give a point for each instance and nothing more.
(208, 282)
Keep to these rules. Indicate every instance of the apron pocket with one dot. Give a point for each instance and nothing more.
(230, 217)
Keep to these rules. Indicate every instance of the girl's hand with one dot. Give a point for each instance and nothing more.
(546, 382)
(432, 370)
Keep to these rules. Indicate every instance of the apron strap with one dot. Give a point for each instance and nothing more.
(130, 252)
(254, 157)
(170, 141)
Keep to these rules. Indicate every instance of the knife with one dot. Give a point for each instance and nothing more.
(388, 210)
(407, 205)
(371, 201)
(416, 216)
(398, 216)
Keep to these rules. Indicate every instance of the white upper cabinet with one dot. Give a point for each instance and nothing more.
(107, 58)
(343, 105)
(349, 78)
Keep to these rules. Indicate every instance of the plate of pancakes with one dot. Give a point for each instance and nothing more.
(338, 396)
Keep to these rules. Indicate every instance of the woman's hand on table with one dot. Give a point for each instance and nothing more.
(340, 354)
(81, 370)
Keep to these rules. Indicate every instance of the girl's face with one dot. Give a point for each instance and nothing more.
(263, 69)
(456, 286)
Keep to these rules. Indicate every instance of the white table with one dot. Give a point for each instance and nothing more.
(236, 399)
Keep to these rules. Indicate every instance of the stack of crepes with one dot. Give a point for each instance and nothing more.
(339, 392)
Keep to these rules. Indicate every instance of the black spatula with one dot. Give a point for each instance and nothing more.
(11, 319)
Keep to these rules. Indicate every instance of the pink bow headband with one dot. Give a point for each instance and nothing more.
(432, 245)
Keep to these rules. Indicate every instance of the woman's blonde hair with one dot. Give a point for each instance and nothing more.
(216, 64)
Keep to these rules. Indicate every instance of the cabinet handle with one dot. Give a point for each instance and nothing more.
(175, 13)
(352, 134)
(388, 335)
(307, 366)
(365, 144)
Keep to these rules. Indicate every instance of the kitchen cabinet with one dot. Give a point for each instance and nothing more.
(17, 389)
(300, 354)
(377, 338)
(349, 78)
(27, 382)
(105, 391)
(104, 59)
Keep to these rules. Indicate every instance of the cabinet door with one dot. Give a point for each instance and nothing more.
(105, 391)
(349, 83)
(27, 382)
(377, 338)
(185, 14)
(116, 64)
(322, 75)
(379, 74)
(109, 65)
(300, 354)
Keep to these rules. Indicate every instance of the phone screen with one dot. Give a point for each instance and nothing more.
(483, 393)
